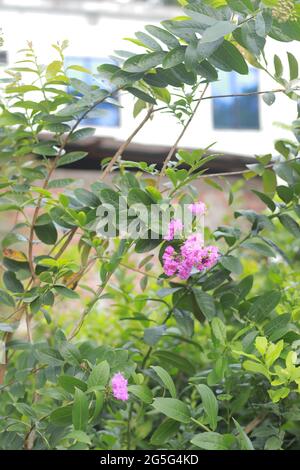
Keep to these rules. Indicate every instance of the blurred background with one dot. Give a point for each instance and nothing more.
(241, 127)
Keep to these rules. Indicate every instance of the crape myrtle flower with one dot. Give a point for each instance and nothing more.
(175, 225)
(197, 208)
(119, 387)
(192, 255)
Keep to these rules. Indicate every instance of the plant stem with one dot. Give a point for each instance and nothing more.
(233, 95)
(174, 147)
(201, 425)
(126, 143)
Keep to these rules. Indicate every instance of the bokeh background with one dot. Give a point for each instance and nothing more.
(240, 127)
(95, 28)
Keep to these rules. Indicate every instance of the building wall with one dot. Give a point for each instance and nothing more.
(98, 37)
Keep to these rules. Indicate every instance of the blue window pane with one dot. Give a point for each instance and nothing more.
(236, 112)
(110, 114)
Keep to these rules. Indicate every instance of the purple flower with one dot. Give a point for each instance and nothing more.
(175, 225)
(170, 262)
(119, 387)
(197, 208)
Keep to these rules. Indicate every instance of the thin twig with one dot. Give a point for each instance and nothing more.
(241, 172)
(254, 423)
(234, 95)
(66, 243)
(87, 310)
(123, 147)
(174, 147)
(28, 326)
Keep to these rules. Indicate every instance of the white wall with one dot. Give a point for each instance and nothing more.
(103, 37)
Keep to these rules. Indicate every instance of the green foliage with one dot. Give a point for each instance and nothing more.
(203, 357)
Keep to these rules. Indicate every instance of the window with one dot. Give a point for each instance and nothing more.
(109, 115)
(3, 58)
(236, 112)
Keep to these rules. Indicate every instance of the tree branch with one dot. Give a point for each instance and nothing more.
(174, 147)
(126, 143)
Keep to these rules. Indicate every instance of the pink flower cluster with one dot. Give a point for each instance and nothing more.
(119, 387)
(197, 208)
(175, 226)
(192, 255)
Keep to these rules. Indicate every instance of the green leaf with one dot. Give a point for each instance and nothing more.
(260, 25)
(247, 37)
(269, 182)
(6, 299)
(12, 283)
(210, 404)
(191, 55)
(62, 416)
(66, 292)
(69, 383)
(148, 41)
(217, 31)
(81, 134)
(141, 95)
(293, 66)
(164, 432)
(260, 248)
(290, 224)
(242, 6)
(278, 394)
(60, 183)
(80, 411)
(206, 70)
(275, 328)
(143, 62)
(174, 57)
(264, 304)
(269, 98)
(256, 367)
(99, 375)
(138, 196)
(163, 35)
(79, 68)
(285, 193)
(142, 392)
(153, 334)
(166, 380)
(173, 359)
(71, 158)
(219, 330)
(173, 408)
(205, 302)
(232, 264)
(79, 436)
(45, 149)
(209, 441)
(142, 246)
(244, 440)
(227, 57)
(278, 66)
(109, 196)
(46, 233)
(22, 89)
(273, 353)
(99, 401)
(261, 344)
(266, 199)
(87, 197)
(205, 50)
